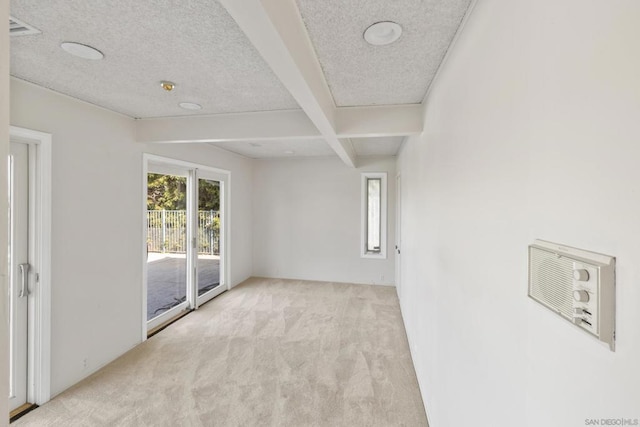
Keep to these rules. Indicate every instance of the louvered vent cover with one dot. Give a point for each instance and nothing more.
(551, 280)
(19, 28)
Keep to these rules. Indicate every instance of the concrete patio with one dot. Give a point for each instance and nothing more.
(166, 279)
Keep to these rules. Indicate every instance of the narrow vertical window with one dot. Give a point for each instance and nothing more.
(374, 215)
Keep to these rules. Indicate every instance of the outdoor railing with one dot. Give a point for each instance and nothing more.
(167, 231)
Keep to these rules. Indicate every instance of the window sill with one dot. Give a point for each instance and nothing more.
(373, 255)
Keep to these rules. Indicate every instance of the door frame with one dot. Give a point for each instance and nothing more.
(398, 245)
(225, 244)
(39, 317)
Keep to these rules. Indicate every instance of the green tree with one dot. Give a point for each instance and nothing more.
(208, 195)
(169, 192)
(166, 192)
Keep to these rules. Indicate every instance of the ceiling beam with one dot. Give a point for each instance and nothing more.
(380, 120)
(276, 30)
(289, 124)
(351, 122)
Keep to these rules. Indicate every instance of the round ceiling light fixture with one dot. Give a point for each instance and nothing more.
(190, 106)
(167, 85)
(382, 33)
(82, 50)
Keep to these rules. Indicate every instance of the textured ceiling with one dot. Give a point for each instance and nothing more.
(194, 43)
(278, 148)
(399, 73)
(197, 45)
(379, 146)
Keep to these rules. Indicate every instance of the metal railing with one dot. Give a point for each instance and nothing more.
(167, 231)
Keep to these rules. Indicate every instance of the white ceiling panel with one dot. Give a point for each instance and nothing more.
(379, 146)
(194, 43)
(265, 149)
(400, 73)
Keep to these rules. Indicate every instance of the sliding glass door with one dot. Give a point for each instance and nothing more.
(185, 235)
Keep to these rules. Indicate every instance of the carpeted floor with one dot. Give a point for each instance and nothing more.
(267, 353)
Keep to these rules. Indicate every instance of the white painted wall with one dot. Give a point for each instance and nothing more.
(532, 131)
(306, 220)
(4, 226)
(97, 225)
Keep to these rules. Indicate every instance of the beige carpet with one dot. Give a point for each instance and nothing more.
(267, 353)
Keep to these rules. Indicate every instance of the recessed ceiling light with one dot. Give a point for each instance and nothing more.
(82, 50)
(167, 85)
(290, 152)
(190, 106)
(382, 33)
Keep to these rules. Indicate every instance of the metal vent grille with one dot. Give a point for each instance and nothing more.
(551, 280)
(19, 28)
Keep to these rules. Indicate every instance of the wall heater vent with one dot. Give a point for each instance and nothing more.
(576, 284)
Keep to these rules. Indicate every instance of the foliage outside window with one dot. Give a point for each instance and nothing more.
(167, 214)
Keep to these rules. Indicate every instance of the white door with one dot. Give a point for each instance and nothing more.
(18, 272)
(398, 232)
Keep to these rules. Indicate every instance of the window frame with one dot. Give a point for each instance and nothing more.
(364, 253)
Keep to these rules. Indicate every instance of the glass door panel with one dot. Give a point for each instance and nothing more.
(209, 236)
(166, 245)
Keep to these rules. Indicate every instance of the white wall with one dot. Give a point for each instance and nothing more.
(4, 241)
(306, 220)
(532, 131)
(97, 225)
